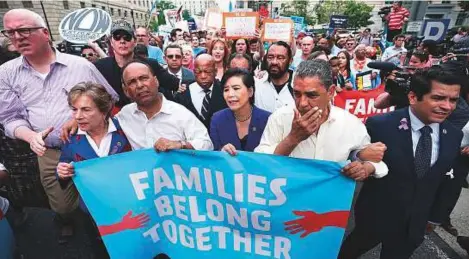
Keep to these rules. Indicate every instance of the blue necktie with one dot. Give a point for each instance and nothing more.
(423, 152)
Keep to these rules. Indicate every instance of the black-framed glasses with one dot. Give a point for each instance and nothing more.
(174, 56)
(119, 36)
(23, 32)
(87, 55)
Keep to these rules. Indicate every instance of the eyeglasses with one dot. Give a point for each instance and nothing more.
(174, 56)
(141, 35)
(118, 37)
(89, 55)
(23, 32)
(350, 44)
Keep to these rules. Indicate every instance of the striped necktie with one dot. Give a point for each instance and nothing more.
(206, 104)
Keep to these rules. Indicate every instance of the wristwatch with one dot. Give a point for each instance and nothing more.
(183, 144)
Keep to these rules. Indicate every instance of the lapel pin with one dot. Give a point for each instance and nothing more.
(450, 174)
(253, 128)
(403, 125)
(444, 131)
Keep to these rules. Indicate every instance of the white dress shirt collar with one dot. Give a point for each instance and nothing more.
(177, 74)
(105, 145)
(165, 108)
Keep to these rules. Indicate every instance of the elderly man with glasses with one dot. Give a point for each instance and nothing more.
(33, 101)
(143, 37)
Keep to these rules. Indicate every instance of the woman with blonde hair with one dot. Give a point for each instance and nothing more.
(220, 53)
(187, 57)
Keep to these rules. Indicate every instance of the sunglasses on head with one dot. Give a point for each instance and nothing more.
(119, 36)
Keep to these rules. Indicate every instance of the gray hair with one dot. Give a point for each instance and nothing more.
(36, 18)
(173, 46)
(315, 68)
(96, 92)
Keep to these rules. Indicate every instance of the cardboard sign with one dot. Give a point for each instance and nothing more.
(435, 29)
(338, 21)
(240, 24)
(173, 16)
(83, 25)
(213, 19)
(360, 103)
(275, 30)
(414, 26)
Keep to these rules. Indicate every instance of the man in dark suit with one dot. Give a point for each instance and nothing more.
(421, 148)
(205, 96)
(173, 56)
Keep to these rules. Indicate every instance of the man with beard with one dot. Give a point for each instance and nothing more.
(123, 43)
(275, 90)
(153, 52)
(205, 96)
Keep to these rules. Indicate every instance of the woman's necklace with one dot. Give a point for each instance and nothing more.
(243, 119)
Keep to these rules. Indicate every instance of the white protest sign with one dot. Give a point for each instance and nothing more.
(275, 30)
(414, 26)
(83, 25)
(213, 19)
(240, 24)
(172, 16)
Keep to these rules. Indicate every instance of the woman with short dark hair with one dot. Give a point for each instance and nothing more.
(240, 126)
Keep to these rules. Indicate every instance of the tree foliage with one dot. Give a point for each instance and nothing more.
(358, 13)
(161, 6)
(297, 8)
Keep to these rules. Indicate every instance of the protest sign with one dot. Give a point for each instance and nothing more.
(275, 30)
(213, 19)
(240, 24)
(85, 24)
(360, 103)
(7, 240)
(200, 204)
(298, 21)
(364, 81)
(414, 26)
(192, 24)
(173, 16)
(338, 21)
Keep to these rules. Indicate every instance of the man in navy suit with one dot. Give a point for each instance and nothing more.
(173, 55)
(421, 148)
(205, 96)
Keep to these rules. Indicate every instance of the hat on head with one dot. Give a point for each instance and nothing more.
(122, 25)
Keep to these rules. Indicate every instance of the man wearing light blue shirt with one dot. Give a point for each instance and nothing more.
(153, 52)
(393, 53)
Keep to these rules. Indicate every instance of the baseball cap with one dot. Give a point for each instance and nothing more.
(122, 25)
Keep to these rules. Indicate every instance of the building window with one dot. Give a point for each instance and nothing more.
(119, 13)
(112, 11)
(446, 2)
(66, 7)
(103, 7)
(434, 16)
(93, 5)
(28, 4)
(141, 16)
(125, 13)
(139, 3)
(4, 5)
(135, 2)
(82, 5)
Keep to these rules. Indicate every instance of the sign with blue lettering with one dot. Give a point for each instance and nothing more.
(192, 25)
(85, 24)
(200, 204)
(435, 29)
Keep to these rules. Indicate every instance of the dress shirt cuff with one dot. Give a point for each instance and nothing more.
(11, 127)
(201, 144)
(434, 223)
(266, 149)
(2, 167)
(381, 169)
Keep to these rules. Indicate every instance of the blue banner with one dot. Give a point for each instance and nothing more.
(196, 204)
(435, 29)
(7, 240)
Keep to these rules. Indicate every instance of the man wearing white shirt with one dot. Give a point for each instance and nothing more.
(316, 129)
(275, 91)
(393, 53)
(152, 119)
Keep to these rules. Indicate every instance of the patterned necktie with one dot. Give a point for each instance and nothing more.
(423, 152)
(205, 104)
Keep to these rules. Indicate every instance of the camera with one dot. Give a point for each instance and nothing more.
(384, 10)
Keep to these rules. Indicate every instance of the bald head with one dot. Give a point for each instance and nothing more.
(25, 15)
(307, 45)
(205, 70)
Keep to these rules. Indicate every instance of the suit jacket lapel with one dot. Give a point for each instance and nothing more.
(443, 148)
(404, 131)
(232, 130)
(84, 151)
(253, 130)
